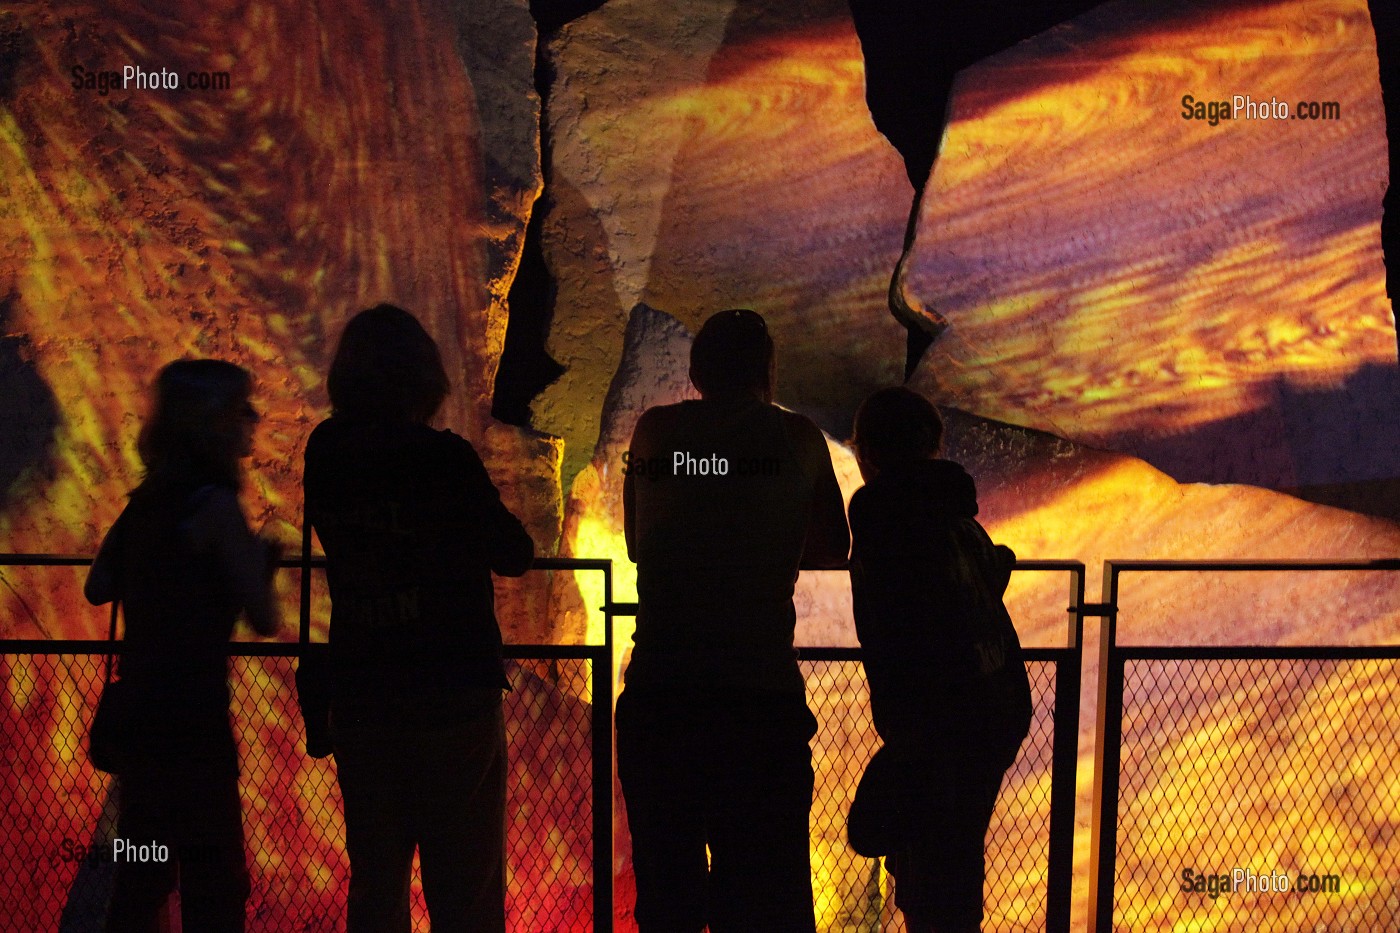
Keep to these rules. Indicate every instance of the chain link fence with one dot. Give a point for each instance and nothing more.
(854, 894)
(59, 814)
(1258, 793)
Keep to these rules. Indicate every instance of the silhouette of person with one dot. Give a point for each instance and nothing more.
(413, 528)
(948, 685)
(724, 498)
(183, 563)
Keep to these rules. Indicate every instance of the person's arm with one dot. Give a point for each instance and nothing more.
(508, 546)
(247, 562)
(828, 537)
(103, 582)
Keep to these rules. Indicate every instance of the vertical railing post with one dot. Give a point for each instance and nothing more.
(1107, 755)
(304, 624)
(603, 767)
(1059, 882)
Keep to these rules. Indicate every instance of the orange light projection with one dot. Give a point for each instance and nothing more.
(343, 165)
(1118, 274)
(1205, 297)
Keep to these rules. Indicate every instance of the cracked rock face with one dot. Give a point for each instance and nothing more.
(1203, 299)
(362, 153)
(1207, 297)
(1041, 495)
(716, 155)
(348, 162)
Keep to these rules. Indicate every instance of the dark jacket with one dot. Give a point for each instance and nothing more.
(413, 528)
(184, 565)
(942, 657)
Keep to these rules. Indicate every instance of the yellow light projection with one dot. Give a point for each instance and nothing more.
(1116, 273)
(1111, 273)
(342, 166)
(762, 183)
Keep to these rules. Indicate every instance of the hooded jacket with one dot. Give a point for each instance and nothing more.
(945, 668)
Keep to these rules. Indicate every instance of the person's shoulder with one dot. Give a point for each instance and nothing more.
(860, 497)
(215, 497)
(660, 417)
(806, 436)
(444, 439)
(214, 512)
(799, 425)
(325, 437)
(446, 449)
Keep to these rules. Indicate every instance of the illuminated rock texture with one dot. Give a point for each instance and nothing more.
(140, 226)
(369, 152)
(1044, 496)
(714, 155)
(1210, 298)
(1206, 299)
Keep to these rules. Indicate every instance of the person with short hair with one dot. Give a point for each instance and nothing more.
(725, 498)
(184, 565)
(948, 685)
(413, 529)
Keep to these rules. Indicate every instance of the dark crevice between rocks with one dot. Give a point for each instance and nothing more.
(1385, 19)
(28, 407)
(526, 367)
(913, 52)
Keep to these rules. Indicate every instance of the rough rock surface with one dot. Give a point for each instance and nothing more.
(1208, 298)
(714, 155)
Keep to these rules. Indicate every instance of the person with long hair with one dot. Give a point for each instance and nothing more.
(184, 565)
(413, 528)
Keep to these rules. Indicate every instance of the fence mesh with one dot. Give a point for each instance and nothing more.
(853, 893)
(57, 811)
(1285, 769)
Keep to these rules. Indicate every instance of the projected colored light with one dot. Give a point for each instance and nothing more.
(1116, 274)
(1112, 273)
(343, 166)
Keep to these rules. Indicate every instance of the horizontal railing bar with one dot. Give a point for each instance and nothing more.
(1049, 564)
(811, 653)
(240, 649)
(541, 563)
(317, 561)
(1254, 652)
(44, 646)
(1301, 564)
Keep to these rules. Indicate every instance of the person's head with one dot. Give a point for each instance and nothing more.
(387, 368)
(893, 427)
(732, 356)
(201, 423)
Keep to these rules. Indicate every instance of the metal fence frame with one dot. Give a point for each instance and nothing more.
(599, 655)
(1113, 659)
(1067, 660)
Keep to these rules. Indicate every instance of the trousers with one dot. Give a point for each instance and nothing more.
(191, 807)
(729, 774)
(437, 785)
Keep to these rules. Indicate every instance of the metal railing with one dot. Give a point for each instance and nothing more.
(1213, 760)
(1042, 851)
(1278, 758)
